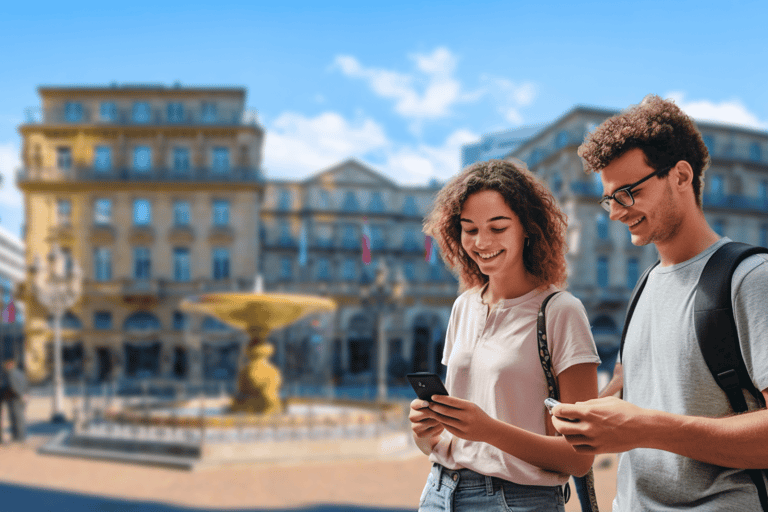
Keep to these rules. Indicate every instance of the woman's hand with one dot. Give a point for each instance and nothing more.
(423, 422)
(462, 418)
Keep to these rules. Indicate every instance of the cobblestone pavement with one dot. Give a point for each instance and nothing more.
(33, 482)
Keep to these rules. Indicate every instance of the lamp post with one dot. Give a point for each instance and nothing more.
(382, 296)
(58, 287)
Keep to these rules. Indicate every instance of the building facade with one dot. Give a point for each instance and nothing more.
(604, 265)
(154, 192)
(312, 243)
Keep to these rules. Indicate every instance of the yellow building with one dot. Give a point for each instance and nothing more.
(155, 193)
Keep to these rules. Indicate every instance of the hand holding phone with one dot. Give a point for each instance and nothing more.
(426, 385)
(550, 403)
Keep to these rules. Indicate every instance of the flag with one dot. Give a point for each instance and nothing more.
(366, 242)
(303, 246)
(9, 313)
(430, 250)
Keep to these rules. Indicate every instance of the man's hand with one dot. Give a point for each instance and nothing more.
(462, 418)
(602, 425)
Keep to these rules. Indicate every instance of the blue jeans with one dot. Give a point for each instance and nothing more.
(464, 490)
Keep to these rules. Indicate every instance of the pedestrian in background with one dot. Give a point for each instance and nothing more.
(13, 394)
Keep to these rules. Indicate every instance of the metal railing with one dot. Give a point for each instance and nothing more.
(152, 117)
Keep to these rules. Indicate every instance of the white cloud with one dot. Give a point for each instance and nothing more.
(10, 161)
(428, 93)
(297, 146)
(509, 96)
(416, 165)
(728, 111)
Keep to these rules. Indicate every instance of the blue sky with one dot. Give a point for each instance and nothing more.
(399, 85)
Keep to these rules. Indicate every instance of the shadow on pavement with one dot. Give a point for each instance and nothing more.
(47, 428)
(18, 498)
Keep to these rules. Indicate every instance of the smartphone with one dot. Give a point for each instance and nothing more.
(550, 403)
(426, 384)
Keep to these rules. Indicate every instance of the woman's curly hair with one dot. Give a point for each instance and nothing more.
(526, 196)
(660, 129)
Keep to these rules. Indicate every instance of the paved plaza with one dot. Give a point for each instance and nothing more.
(33, 482)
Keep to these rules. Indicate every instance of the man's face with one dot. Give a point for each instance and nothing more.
(654, 218)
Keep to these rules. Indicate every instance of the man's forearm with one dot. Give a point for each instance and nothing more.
(735, 441)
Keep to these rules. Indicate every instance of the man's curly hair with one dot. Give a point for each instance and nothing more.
(526, 196)
(664, 133)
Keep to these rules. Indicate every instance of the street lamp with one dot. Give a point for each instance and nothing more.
(57, 286)
(383, 296)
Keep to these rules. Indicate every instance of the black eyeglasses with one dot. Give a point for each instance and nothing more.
(623, 196)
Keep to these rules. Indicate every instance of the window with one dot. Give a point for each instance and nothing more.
(409, 271)
(181, 264)
(102, 264)
(561, 140)
(73, 111)
(286, 237)
(602, 271)
(142, 212)
(181, 216)
(324, 199)
(284, 200)
(755, 152)
(764, 235)
(762, 192)
(709, 141)
(180, 159)
(601, 219)
(220, 160)
(208, 112)
(556, 182)
(411, 239)
(102, 320)
(175, 112)
(220, 212)
(102, 212)
(409, 206)
(377, 237)
(435, 273)
(349, 269)
(350, 202)
(349, 237)
(717, 186)
(286, 268)
(220, 259)
(323, 269)
(142, 158)
(64, 212)
(377, 203)
(142, 263)
(108, 111)
(179, 321)
(633, 272)
(141, 112)
(103, 159)
(64, 158)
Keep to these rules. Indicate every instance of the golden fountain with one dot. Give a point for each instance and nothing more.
(258, 383)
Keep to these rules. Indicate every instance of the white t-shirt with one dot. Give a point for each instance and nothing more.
(493, 361)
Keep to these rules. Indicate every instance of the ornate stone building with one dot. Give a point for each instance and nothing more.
(155, 193)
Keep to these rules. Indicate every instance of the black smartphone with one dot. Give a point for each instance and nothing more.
(426, 384)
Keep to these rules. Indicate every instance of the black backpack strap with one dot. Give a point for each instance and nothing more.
(718, 337)
(587, 481)
(632, 303)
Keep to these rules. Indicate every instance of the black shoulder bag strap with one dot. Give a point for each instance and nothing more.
(588, 480)
(717, 335)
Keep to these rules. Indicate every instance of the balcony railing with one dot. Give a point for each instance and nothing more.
(79, 174)
(154, 117)
(735, 202)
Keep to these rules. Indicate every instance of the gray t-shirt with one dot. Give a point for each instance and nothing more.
(664, 370)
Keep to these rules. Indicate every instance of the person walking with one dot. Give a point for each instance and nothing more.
(13, 394)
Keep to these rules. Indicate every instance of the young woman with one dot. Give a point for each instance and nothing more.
(491, 441)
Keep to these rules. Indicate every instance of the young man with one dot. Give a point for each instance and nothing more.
(675, 424)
